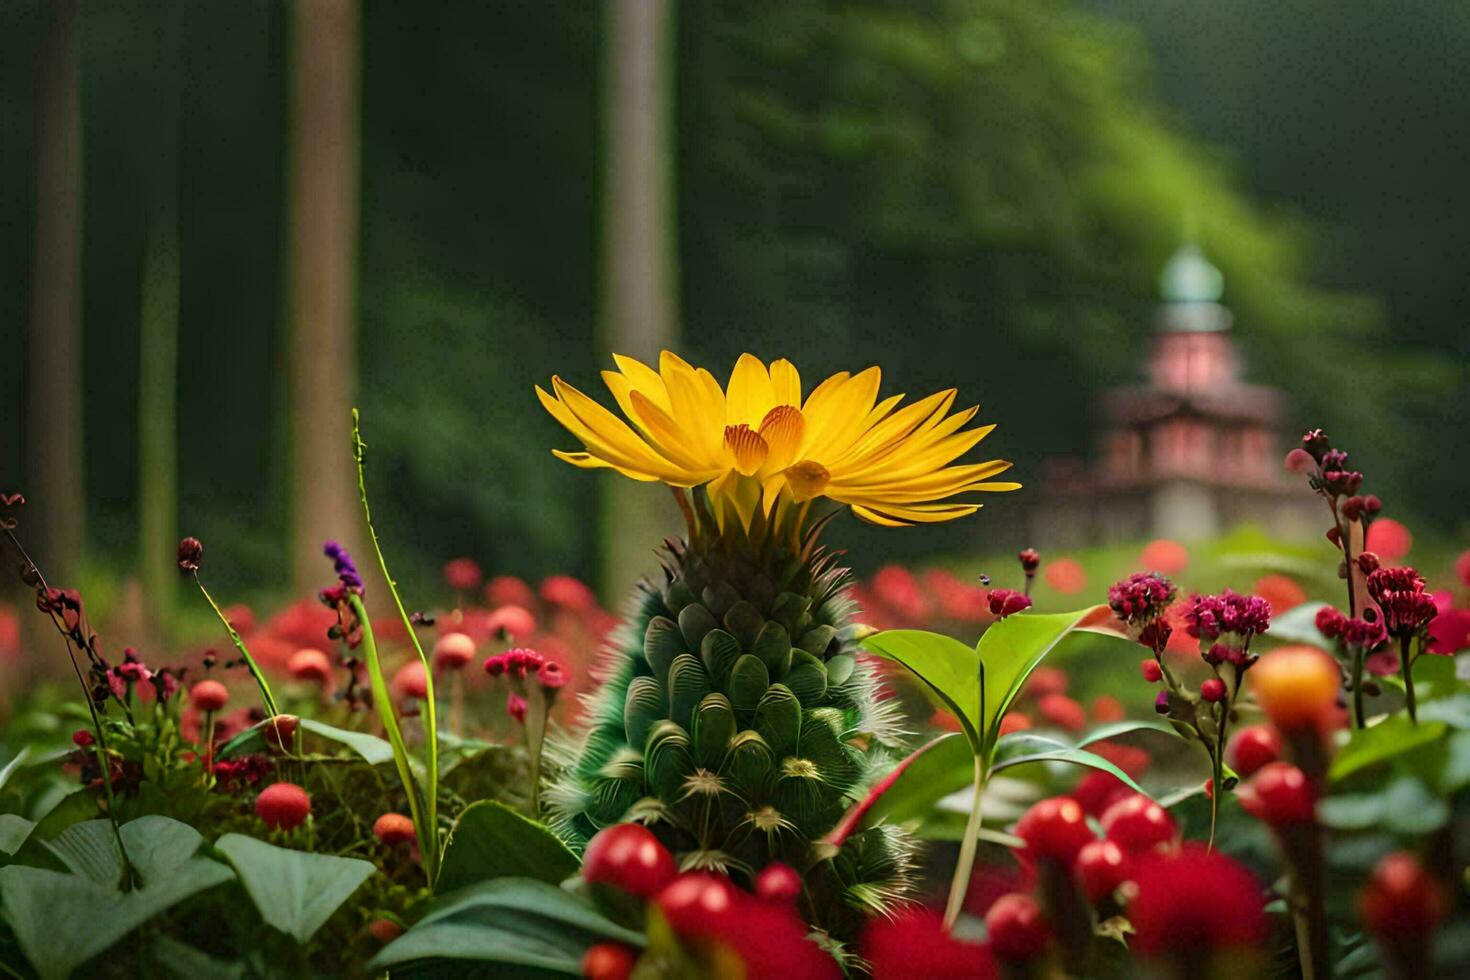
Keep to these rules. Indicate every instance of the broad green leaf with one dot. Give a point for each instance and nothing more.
(63, 920)
(533, 898)
(1392, 737)
(1404, 807)
(294, 891)
(1453, 711)
(511, 922)
(1010, 650)
(1298, 625)
(1076, 757)
(951, 669)
(14, 831)
(490, 840)
(14, 764)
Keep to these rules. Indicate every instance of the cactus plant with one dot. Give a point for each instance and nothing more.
(735, 719)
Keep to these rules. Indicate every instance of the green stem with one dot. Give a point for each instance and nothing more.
(535, 736)
(255, 672)
(431, 722)
(1406, 670)
(383, 702)
(1358, 713)
(966, 864)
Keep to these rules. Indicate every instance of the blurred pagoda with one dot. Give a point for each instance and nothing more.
(1192, 451)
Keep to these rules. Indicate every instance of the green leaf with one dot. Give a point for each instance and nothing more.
(1077, 757)
(1114, 729)
(1404, 807)
(187, 963)
(14, 764)
(1010, 650)
(1453, 711)
(375, 751)
(507, 921)
(1392, 737)
(935, 770)
(294, 891)
(1298, 625)
(490, 840)
(950, 669)
(14, 831)
(63, 920)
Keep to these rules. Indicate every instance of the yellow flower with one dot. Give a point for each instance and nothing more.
(757, 445)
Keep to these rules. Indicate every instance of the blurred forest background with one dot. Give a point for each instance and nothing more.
(221, 223)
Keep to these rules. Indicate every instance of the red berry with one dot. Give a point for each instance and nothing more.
(283, 806)
(608, 961)
(1252, 748)
(83, 738)
(699, 904)
(1152, 672)
(627, 856)
(209, 695)
(1401, 902)
(1137, 824)
(1018, 930)
(1055, 829)
(384, 930)
(1101, 867)
(280, 731)
(779, 883)
(1212, 689)
(308, 664)
(393, 829)
(453, 651)
(1279, 794)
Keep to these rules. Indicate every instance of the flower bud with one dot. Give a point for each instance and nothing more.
(1152, 672)
(1055, 829)
(283, 806)
(453, 651)
(1161, 703)
(1316, 444)
(1137, 824)
(1300, 461)
(191, 555)
(1212, 690)
(1101, 869)
(1367, 562)
(1030, 561)
(392, 829)
(209, 695)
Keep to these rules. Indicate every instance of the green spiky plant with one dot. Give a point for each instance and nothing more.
(737, 723)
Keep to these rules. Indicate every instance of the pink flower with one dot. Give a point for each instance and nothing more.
(1390, 539)
(1163, 555)
(1065, 575)
(463, 574)
(509, 590)
(515, 706)
(1007, 602)
(551, 676)
(565, 591)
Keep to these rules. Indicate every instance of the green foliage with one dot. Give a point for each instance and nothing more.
(509, 922)
(373, 750)
(62, 920)
(490, 840)
(294, 891)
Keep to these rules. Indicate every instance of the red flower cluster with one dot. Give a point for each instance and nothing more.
(1141, 597)
(1208, 617)
(1400, 595)
(1007, 602)
(1193, 900)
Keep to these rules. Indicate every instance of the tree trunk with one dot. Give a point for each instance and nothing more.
(323, 256)
(55, 514)
(639, 250)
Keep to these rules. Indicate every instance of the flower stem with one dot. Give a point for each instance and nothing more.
(431, 725)
(255, 672)
(383, 701)
(961, 883)
(1358, 713)
(1406, 670)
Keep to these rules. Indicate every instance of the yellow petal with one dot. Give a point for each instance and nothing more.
(832, 412)
(782, 429)
(645, 379)
(749, 395)
(747, 449)
(622, 449)
(786, 383)
(666, 435)
(807, 479)
(904, 516)
(587, 461)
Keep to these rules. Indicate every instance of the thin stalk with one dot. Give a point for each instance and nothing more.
(966, 864)
(1406, 671)
(255, 671)
(130, 876)
(535, 737)
(383, 701)
(431, 723)
(1359, 716)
